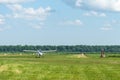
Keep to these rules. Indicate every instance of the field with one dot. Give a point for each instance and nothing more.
(59, 67)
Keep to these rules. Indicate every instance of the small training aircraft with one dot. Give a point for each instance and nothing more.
(39, 52)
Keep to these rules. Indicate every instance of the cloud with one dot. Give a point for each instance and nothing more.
(29, 13)
(2, 19)
(37, 26)
(96, 5)
(3, 25)
(115, 22)
(36, 16)
(4, 28)
(111, 25)
(106, 27)
(33, 17)
(14, 1)
(94, 13)
(76, 22)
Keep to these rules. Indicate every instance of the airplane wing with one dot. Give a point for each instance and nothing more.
(29, 51)
(49, 51)
(39, 51)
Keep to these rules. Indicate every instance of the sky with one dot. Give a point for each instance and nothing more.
(59, 22)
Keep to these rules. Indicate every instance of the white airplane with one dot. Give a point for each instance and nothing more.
(39, 52)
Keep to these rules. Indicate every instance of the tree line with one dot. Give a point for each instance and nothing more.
(62, 48)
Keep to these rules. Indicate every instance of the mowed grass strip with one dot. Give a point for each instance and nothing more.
(58, 67)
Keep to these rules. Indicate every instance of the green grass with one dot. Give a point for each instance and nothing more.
(58, 67)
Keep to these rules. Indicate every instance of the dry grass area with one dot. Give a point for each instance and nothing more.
(3, 68)
(78, 56)
(10, 68)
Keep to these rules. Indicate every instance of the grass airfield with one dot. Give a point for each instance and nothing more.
(59, 67)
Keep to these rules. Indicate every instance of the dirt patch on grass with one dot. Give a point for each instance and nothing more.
(3, 68)
(78, 56)
(11, 68)
(17, 71)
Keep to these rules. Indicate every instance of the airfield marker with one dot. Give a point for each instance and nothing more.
(102, 53)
